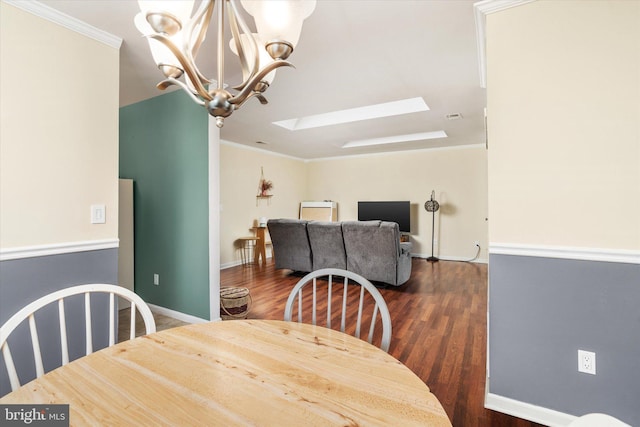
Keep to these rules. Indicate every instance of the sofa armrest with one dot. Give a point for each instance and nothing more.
(405, 248)
(290, 244)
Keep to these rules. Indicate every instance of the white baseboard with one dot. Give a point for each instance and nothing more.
(234, 263)
(177, 315)
(230, 264)
(527, 411)
(452, 258)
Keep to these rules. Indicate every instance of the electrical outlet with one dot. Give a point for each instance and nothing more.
(156, 279)
(587, 362)
(476, 243)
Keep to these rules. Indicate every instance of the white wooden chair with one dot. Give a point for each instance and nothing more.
(28, 313)
(374, 298)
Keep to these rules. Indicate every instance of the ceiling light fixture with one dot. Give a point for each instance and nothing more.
(386, 109)
(396, 138)
(175, 37)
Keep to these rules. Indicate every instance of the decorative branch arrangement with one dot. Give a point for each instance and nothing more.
(264, 186)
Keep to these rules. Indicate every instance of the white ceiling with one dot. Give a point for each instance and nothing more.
(352, 53)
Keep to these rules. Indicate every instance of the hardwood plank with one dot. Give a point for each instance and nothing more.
(439, 328)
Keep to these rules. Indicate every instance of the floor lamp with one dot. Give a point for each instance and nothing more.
(432, 206)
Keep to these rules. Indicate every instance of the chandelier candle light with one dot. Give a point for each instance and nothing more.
(175, 37)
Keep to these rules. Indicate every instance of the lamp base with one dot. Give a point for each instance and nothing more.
(432, 259)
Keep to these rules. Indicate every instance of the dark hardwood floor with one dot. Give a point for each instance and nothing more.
(439, 328)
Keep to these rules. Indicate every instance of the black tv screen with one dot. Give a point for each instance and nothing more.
(387, 211)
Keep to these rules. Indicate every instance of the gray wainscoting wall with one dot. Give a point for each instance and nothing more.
(25, 280)
(542, 310)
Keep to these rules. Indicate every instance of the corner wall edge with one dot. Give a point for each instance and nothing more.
(481, 10)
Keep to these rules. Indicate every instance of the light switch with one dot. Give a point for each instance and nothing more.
(98, 214)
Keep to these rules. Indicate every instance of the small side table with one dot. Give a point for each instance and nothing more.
(248, 248)
(260, 248)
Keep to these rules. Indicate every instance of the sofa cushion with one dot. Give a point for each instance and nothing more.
(290, 244)
(327, 245)
(372, 248)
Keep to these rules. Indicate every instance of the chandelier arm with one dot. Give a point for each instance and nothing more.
(261, 98)
(202, 16)
(202, 79)
(171, 81)
(192, 45)
(235, 21)
(246, 73)
(241, 103)
(248, 90)
(189, 67)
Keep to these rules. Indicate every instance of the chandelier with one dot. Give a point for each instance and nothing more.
(175, 36)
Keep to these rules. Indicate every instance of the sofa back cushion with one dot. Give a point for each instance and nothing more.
(372, 248)
(327, 245)
(290, 242)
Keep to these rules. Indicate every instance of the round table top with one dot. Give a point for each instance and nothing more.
(239, 372)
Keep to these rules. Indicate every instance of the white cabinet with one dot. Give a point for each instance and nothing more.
(319, 211)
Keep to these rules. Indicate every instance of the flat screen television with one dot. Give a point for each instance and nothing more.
(399, 212)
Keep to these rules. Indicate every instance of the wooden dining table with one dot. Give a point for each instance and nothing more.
(237, 373)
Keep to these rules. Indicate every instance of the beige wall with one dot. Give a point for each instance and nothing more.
(239, 176)
(563, 176)
(457, 175)
(58, 133)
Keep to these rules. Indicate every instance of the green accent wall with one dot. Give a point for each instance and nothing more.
(164, 149)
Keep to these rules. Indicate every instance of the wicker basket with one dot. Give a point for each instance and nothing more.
(234, 303)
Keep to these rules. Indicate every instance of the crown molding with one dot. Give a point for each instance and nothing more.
(481, 10)
(50, 14)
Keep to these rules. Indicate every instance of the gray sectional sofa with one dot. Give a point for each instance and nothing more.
(369, 248)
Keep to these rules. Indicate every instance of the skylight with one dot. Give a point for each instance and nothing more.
(387, 109)
(396, 138)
